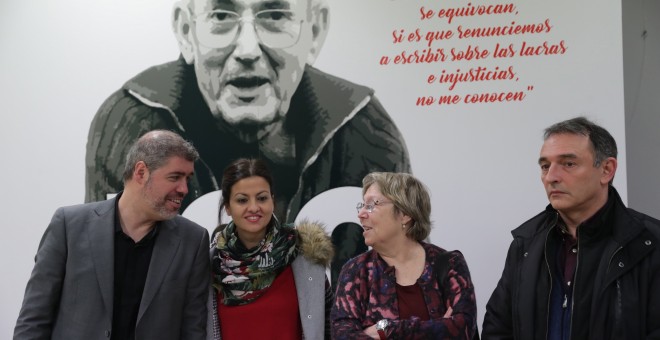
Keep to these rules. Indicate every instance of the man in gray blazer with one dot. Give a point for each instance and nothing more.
(126, 268)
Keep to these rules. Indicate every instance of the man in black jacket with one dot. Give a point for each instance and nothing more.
(587, 267)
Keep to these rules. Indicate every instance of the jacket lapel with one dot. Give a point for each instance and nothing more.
(166, 247)
(101, 238)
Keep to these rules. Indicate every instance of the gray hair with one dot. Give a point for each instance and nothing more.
(408, 195)
(312, 5)
(155, 148)
(602, 143)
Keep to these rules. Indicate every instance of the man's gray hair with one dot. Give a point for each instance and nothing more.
(602, 142)
(311, 4)
(155, 148)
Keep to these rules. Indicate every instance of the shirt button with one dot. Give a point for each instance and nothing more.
(107, 333)
(621, 264)
(310, 278)
(647, 242)
(526, 253)
(309, 316)
(574, 250)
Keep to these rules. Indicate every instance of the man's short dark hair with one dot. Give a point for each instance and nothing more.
(602, 142)
(155, 148)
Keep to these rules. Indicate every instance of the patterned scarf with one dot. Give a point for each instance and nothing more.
(244, 275)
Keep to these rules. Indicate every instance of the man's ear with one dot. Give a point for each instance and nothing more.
(181, 25)
(320, 21)
(140, 172)
(609, 169)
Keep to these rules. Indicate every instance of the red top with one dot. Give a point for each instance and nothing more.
(274, 315)
(411, 302)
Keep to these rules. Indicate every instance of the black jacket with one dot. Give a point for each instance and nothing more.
(616, 285)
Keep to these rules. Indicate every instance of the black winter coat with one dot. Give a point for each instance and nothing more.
(616, 285)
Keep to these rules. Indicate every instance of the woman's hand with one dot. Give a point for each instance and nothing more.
(448, 313)
(372, 332)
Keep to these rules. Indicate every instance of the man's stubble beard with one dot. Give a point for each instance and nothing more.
(160, 206)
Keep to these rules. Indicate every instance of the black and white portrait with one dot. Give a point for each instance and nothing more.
(244, 85)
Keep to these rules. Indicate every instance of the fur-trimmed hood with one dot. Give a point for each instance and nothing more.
(315, 244)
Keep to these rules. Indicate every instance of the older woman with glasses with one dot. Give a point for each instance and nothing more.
(403, 288)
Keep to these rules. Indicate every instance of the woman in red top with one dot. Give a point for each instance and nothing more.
(268, 278)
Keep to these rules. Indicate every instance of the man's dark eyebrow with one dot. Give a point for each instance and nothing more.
(222, 4)
(562, 156)
(274, 4)
(181, 173)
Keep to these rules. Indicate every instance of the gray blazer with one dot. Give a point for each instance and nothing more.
(70, 292)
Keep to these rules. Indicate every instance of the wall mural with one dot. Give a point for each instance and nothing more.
(456, 93)
(243, 88)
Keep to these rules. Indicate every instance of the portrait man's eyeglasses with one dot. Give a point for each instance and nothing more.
(369, 206)
(275, 28)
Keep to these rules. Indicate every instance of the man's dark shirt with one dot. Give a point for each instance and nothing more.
(131, 267)
(588, 247)
(562, 293)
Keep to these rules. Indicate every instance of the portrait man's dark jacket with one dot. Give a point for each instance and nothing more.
(71, 290)
(341, 133)
(616, 288)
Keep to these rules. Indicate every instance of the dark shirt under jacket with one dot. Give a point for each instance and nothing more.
(131, 267)
(561, 302)
(411, 302)
(575, 263)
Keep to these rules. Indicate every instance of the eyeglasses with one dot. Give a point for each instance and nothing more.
(369, 206)
(274, 28)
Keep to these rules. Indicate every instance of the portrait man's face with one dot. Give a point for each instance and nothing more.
(248, 55)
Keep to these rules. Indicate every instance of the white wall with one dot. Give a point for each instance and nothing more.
(61, 59)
